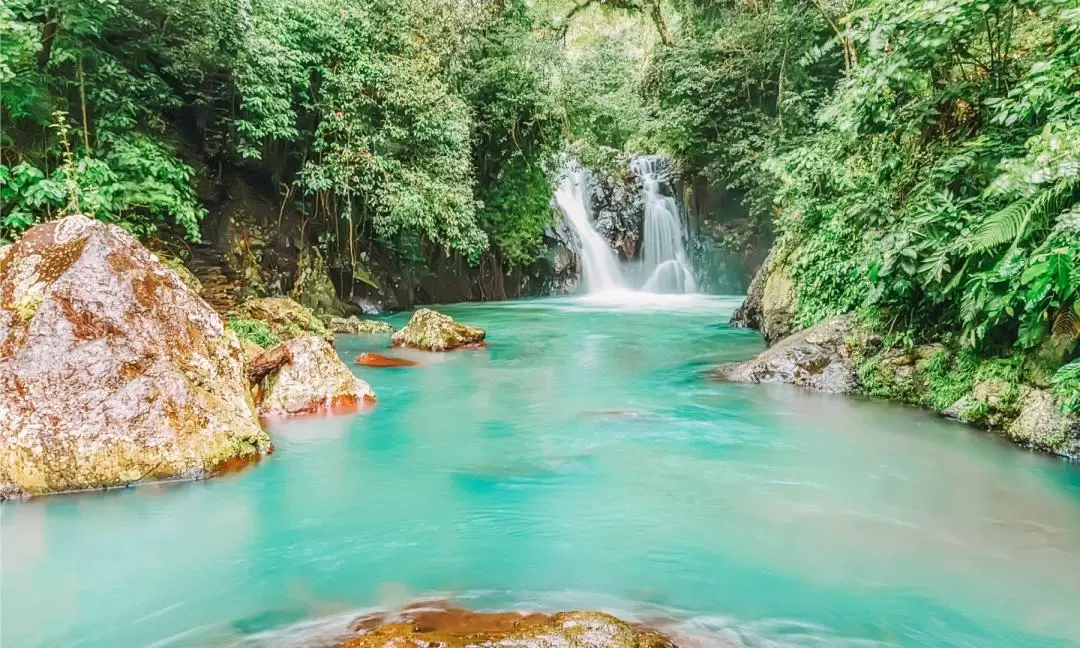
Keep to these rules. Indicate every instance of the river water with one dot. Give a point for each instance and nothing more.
(580, 461)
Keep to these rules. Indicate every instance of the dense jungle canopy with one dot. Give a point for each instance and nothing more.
(916, 161)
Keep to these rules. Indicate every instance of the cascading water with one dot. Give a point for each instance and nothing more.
(664, 265)
(600, 268)
(663, 256)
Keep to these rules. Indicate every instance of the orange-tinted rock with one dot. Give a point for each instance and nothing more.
(379, 360)
(457, 628)
(314, 381)
(112, 369)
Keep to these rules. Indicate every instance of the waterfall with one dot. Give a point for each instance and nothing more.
(663, 265)
(600, 268)
(663, 256)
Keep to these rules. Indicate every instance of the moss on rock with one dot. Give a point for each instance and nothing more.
(286, 319)
(430, 330)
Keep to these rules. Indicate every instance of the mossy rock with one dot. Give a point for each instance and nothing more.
(286, 318)
(430, 330)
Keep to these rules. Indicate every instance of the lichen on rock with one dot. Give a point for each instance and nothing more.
(314, 381)
(430, 330)
(112, 370)
(313, 287)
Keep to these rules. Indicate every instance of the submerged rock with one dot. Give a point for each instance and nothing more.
(817, 358)
(457, 628)
(286, 318)
(313, 381)
(432, 331)
(379, 360)
(356, 326)
(112, 369)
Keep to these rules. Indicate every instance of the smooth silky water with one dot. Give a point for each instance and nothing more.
(581, 461)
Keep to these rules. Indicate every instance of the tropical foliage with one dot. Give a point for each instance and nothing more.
(917, 160)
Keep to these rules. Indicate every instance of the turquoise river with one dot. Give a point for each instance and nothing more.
(581, 461)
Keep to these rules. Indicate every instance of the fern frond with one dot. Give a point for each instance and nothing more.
(1066, 325)
(1016, 220)
(1002, 226)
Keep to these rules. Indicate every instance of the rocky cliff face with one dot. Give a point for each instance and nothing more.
(112, 370)
(617, 208)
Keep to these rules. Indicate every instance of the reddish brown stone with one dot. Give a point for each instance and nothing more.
(379, 360)
(268, 361)
(430, 624)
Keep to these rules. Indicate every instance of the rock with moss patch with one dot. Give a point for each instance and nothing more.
(181, 270)
(456, 628)
(355, 326)
(287, 319)
(818, 358)
(314, 381)
(1040, 424)
(770, 303)
(112, 370)
(432, 331)
(313, 287)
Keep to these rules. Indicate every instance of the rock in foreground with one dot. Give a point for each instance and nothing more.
(112, 370)
(456, 628)
(817, 358)
(432, 331)
(356, 326)
(313, 381)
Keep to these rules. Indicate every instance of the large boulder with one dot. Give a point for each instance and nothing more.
(818, 358)
(432, 331)
(112, 369)
(313, 381)
(287, 319)
(456, 628)
(770, 303)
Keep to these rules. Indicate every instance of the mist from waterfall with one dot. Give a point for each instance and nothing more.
(663, 255)
(600, 271)
(663, 267)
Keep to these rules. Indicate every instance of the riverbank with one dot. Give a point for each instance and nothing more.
(1015, 395)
